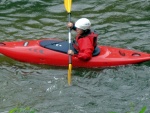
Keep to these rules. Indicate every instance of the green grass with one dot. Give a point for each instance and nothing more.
(143, 110)
(30, 110)
(22, 110)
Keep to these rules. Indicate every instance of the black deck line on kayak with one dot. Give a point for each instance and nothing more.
(2, 44)
(62, 46)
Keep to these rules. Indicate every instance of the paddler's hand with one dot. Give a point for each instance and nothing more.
(70, 25)
(70, 52)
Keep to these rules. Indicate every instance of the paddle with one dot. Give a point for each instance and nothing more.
(68, 4)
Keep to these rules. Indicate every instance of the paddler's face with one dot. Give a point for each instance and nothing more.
(79, 31)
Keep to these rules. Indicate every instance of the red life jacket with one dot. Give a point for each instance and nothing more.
(85, 45)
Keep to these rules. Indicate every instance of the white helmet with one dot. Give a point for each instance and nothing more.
(83, 24)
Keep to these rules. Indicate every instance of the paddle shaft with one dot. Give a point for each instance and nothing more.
(69, 36)
(68, 4)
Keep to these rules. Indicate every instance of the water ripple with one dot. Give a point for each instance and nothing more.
(119, 23)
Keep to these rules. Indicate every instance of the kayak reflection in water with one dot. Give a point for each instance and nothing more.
(85, 40)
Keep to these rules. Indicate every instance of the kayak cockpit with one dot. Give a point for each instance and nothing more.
(62, 46)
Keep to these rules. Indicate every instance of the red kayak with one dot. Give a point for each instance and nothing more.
(54, 52)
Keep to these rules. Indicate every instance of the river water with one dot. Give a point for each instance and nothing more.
(120, 23)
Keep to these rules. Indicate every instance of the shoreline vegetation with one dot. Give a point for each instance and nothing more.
(30, 110)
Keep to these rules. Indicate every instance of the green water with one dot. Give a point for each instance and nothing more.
(120, 23)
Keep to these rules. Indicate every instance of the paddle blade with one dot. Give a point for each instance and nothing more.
(68, 4)
(69, 74)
